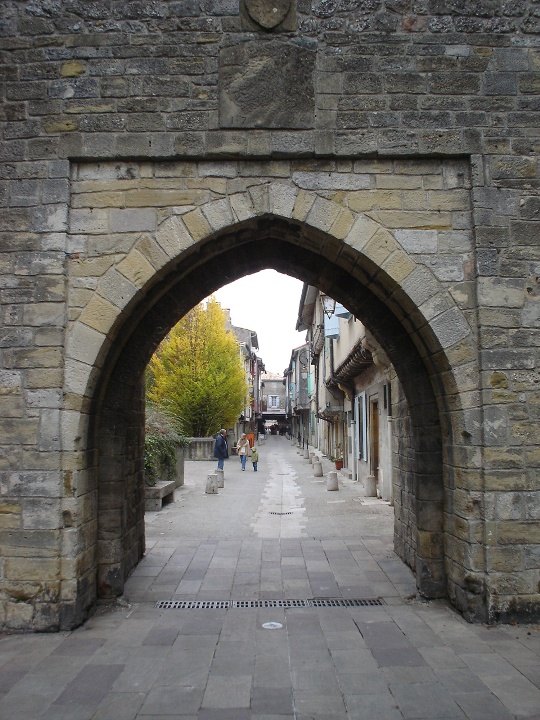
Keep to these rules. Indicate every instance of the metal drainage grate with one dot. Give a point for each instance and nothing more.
(280, 513)
(224, 604)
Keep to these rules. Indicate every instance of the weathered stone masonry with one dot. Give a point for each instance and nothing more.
(384, 151)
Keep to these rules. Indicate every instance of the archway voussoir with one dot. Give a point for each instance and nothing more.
(83, 343)
(197, 224)
(260, 198)
(380, 247)
(398, 266)
(116, 288)
(302, 206)
(173, 236)
(242, 207)
(74, 428)
(282, 199)
(77, 377)
(361, 232)
(99, 314)
(219, 214)
(342, 224)
(323, 214)
(450, 328)
(420, 285)
(136, 268)
(150, 249)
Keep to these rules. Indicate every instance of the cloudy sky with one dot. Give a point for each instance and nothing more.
(266, 302)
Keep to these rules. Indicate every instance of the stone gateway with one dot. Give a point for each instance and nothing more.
(385, 152)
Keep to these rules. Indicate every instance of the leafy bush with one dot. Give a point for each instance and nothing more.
(162, 438)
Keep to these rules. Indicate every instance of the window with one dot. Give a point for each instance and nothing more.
(273, 401)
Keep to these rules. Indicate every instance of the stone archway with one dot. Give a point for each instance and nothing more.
(188, 255)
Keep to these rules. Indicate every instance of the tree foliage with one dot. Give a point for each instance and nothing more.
(197, 374)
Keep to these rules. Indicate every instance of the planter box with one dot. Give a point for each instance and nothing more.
(161, 494)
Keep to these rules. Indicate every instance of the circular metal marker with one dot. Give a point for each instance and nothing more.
(272, 626)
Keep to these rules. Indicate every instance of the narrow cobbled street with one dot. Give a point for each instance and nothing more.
(272, 600)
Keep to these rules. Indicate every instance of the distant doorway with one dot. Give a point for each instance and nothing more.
(374, 440)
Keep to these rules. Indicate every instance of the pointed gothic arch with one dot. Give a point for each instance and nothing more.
(346, 254)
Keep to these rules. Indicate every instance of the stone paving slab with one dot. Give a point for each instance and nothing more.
(404, 659)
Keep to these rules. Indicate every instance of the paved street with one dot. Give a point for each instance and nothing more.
(269, 537)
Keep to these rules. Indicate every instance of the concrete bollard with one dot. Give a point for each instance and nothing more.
(332, 481)
(211, 484)
(306, 454)
(220, 478)
(317, 469)
(370, 486)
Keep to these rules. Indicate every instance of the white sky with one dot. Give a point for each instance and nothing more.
(266, 302)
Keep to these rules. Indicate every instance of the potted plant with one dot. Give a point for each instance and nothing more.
(337, 459)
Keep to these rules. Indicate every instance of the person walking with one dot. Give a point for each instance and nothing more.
(221, 448)
(254, 457)
(242, 448)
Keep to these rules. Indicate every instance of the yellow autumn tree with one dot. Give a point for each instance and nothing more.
(197, 373)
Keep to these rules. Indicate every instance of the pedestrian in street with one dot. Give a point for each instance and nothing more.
(242, 448)
(221, 448)
(254, 457)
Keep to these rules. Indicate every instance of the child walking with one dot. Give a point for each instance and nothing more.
(254, 457)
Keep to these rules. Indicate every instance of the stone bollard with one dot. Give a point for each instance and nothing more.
(220, 478)
(212, 484)
(332, 481)
(370, 486)
(306, 454)
(317, 469)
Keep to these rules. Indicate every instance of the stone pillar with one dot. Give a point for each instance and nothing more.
(317, 469)
(220, 478)
(332, 481)
(371, 486)
(180, 455)
(212, 484)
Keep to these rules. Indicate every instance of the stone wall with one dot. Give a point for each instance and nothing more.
(384, 150)
(200, 449)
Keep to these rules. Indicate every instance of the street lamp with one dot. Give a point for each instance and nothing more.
(329, 305)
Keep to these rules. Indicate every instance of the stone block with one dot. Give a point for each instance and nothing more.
(41, 514)
(132, 220)
(343, 224)
(398, 266)
(450, 327)
(83, 343)
(241, 207)
(218, 214)
(418, 241)
(381, 245)
(323, 213)
(136, 268)
(40, 314)
(266, 85)
(197, 224)
(116, 288)
(173, 236)
(88, 221)
(361, 232)
(99, 314)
